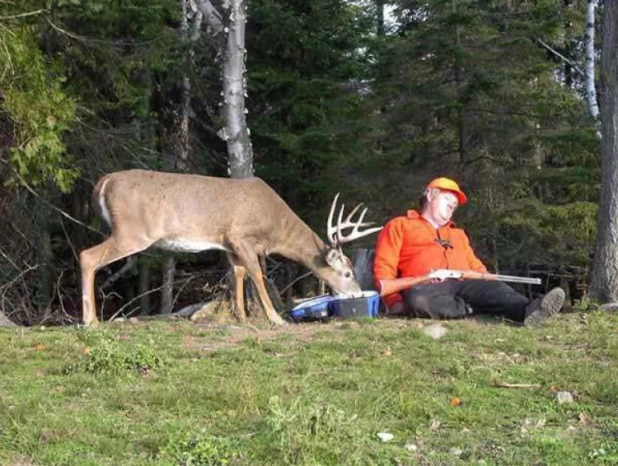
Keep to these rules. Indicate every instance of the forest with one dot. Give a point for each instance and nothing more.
(367, 98)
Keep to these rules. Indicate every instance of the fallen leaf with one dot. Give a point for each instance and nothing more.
(86, 351)
(554, 389)
(39, 347)
(435, 424)
(585, 419)
(388, 352)
(455, 401)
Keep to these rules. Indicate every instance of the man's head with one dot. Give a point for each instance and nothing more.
(440, 199)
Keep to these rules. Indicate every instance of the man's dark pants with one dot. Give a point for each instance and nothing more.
(454, 299)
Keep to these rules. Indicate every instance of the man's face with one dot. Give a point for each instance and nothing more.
(441, 206)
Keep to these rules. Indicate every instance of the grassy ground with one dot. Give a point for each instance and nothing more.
(311, 394)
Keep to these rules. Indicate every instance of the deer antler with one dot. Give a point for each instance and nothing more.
(334, 232)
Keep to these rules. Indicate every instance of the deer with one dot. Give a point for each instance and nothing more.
(191, 213)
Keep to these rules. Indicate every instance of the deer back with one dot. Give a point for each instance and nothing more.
(166, 205)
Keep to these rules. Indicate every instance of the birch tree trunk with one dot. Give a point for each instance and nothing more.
(591, 93)
(230, 30)
(604, 284)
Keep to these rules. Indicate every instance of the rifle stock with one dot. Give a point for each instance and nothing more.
(397, 285)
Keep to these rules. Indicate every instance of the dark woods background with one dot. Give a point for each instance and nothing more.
(370, 98)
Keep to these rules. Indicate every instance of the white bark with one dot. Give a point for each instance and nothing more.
(239, 147)
(232, 48)
(591, 93)
(604, 283)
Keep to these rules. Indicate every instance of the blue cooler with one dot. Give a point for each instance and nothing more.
(366, 305)
(312, 309)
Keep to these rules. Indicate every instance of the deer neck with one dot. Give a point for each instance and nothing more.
(302, 245)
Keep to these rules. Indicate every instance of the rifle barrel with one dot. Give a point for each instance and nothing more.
(515, 279)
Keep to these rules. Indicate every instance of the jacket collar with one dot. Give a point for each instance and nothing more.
(415, 215)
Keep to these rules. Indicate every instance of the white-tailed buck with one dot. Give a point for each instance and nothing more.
(192, 213)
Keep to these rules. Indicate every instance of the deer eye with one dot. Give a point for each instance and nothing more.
(347, 274)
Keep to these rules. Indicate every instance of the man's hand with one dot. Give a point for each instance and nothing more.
(442, 274)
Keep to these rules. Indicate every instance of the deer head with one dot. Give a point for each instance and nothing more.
(339, 273)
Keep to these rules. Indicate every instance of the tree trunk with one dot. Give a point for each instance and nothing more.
(167, 285)
(177, 157)
(232, 49)
(591, 93)
(236, 134)
(604, 284)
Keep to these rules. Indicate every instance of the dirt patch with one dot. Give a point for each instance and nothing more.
(21, 461)
(216, 336)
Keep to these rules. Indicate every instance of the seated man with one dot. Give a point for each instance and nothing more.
(414, 245)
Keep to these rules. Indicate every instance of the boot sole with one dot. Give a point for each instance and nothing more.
(550, 304)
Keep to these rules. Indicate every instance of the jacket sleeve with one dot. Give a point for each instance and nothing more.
(386, 262)
(474, 262)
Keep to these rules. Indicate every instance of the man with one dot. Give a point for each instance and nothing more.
(414, 245)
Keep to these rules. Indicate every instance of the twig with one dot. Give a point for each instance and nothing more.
(294, 281)
(8, 259)
(86, 40)
(130, 262)
(23, 15)
(555, 52)
(57, 209)
(68, 240)
(517, 385)
(119, 311)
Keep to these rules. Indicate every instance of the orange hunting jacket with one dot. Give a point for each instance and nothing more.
(411, 247)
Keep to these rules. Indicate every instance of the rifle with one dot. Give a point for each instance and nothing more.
(399, 284)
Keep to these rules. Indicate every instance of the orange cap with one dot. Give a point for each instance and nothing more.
(447, 184)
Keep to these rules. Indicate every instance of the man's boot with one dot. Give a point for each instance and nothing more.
(541, 309)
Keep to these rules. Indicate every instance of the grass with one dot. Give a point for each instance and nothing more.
(161, 393)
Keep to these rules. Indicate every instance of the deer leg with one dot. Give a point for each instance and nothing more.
(92, 260)
(271, 313)
(252, 265)
(239, 274)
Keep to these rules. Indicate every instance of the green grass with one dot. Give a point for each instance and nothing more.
(313, 394)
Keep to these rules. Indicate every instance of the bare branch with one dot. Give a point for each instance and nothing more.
(23, 15)
(558, 54)
(48, 204)
(213, 18)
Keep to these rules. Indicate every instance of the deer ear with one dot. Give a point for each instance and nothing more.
(334, 258)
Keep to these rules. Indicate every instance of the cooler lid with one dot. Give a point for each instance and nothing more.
(310, 302)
